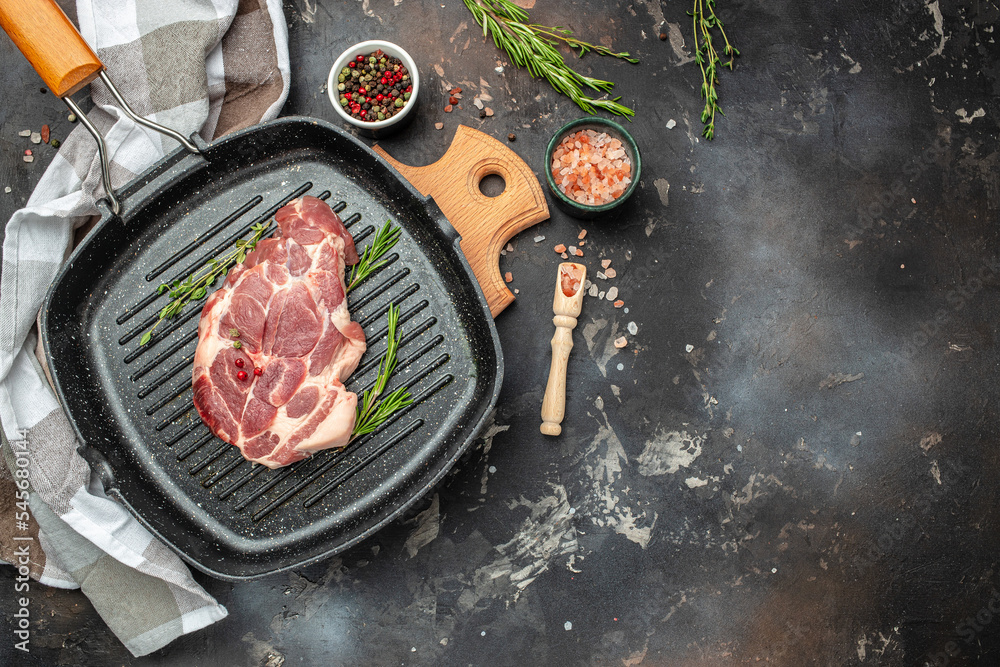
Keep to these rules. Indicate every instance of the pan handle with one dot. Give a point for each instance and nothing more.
(51, 43)
(66, 63)
(485, 223)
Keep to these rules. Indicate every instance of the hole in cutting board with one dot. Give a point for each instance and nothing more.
(492, 185)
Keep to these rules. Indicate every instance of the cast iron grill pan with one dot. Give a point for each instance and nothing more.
(132, 405)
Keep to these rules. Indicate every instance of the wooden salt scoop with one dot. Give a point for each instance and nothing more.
(566, 305)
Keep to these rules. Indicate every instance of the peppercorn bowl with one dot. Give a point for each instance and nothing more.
(363, 84)
(590, 180)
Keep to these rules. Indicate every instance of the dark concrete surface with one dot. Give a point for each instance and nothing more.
(794, 461)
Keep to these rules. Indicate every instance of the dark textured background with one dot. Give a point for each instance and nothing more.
(832, 260)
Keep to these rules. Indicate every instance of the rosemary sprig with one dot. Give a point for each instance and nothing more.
(196, 285)
(704, 19)
(372, 412)
(371, 258)
(533, 47)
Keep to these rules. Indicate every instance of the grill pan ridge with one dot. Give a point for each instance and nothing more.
(131, 405)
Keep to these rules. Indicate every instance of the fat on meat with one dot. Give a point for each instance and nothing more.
(286, 305)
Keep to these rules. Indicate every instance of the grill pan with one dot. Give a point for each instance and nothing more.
(131, 405)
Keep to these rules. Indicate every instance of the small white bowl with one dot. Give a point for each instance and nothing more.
(378, 127)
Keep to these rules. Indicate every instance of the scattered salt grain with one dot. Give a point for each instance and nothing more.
(626, 311)
(633, 328)
(498, 70)
(517, 291)
(582, 235)
(24, 133)
(508, 277)
(601, 276)
(593, 290)
(689, 348)
(579, 253)
(612, 294)
(29, 158)
(621, 367)
(492, 469)
(586, 283)
(671, 124)
(36, 137)
(489, 111)
(510, 248)
(571, 250)
(605, 263)
(564, 256)
(478, 102)
(600, 295)
(568, 626)
(539, 238)
(619, 303)
(7, 189)
(621, 342)
(438, 126)
(591, 168)
(559, 248)
(610, 273)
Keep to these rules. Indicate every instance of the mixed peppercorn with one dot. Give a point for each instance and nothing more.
(242, 375)
(374, 87)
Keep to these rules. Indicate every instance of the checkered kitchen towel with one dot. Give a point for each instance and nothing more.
(211, 66)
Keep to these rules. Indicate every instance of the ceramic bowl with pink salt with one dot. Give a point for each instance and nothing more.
(592, 165)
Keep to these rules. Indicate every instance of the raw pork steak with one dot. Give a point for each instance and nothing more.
(280, 396)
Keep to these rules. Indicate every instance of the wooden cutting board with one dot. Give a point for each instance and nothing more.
(485, 223)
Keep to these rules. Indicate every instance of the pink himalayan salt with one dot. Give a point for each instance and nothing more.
(591, 168)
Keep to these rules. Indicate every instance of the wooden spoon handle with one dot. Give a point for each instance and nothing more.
(554, 402)
(51, 43)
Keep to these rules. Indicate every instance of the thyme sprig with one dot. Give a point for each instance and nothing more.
(196, 285)
(371, 258)
(704, 19)
(372, 412)
(533, 47)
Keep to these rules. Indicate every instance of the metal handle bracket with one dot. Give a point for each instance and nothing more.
(102, 148)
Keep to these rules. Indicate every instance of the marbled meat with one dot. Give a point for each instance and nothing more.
(276, 342)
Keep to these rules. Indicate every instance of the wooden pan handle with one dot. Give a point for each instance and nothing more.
(51, 43)
(566, 308)
(485, 223)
